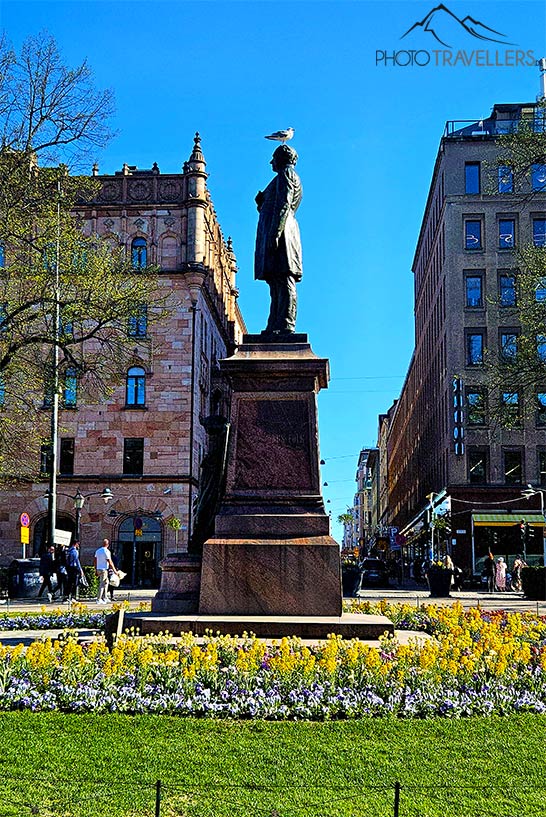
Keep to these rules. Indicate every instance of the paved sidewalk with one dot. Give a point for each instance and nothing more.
(134, 597)
(416, 596)
(509, 601)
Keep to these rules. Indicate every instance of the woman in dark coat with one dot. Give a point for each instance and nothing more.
(47, 570)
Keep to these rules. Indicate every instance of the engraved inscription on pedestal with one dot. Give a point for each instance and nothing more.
(273, 445)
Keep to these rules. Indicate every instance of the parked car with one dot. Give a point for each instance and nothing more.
(375, 573)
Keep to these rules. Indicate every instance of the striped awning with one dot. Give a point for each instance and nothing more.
(507, 520)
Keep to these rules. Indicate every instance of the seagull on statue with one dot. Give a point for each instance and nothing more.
(281, 135)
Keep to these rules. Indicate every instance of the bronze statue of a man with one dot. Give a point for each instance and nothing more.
(277, 258)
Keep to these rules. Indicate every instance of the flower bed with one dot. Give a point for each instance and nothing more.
(78, 615)
(478, 663)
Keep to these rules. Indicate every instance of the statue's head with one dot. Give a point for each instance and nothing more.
(284, 156)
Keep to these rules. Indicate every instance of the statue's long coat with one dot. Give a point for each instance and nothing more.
(277, 205)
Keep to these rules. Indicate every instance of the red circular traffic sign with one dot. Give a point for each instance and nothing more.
(25, 520)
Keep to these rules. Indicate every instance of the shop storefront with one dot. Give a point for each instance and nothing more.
(507, 535)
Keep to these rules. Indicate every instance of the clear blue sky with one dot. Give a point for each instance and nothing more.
(366, 135)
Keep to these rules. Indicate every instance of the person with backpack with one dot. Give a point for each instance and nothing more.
(74, 570)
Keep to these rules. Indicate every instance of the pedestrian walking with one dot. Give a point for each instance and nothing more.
(104, 563)
(47, 570)
(111, 586)
(519, 564)
(489, 571)
(62, 573)
(500, 574)
(74, 570)
(458, 577)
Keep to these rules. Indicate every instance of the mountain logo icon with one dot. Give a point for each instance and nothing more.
(446, 27)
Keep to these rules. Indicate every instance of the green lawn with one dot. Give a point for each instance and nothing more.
(94, 765)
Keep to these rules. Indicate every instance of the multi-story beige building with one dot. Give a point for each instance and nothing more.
(441, 440)
(146, 441)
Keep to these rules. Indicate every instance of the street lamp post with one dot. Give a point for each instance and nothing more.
(431, 497)
(532, 491)
(79, 501)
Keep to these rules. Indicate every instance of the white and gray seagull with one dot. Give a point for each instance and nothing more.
(281, 135)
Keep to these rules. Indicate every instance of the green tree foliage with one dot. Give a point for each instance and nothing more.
(345, 518)
(515, 379)
(49, 112)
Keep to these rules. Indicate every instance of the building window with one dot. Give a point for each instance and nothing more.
(507, 233)
(540, 290)
(473, 234)
(133, 456)
(3, 318)
(538, 177)
(139, 253)
(45, 459)
(539, 232)
(474, 349)
(510, 408)
(2, 392)
(70, 392)
(541, 347)
(476, 407)
(472, 177)
(513, 470)
(136, 387)
(540, 416)
(474, 291)
(506, 179)
(138, 322)
(66, 326)
(477, 466)
(542, 467)
(507, 289)
(508, 345)
(66, 459)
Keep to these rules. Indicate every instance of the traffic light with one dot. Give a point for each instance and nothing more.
(495, 539)
(524, 532)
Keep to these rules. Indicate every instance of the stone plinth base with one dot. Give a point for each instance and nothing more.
(288, 577)
(354, 625)
(180, 580)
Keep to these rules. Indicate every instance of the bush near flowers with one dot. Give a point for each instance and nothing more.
(477, 663)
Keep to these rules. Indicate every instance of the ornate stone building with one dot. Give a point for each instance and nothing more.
(146, 441)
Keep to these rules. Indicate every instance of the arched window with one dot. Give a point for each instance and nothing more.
(139, 253)
(136, 387)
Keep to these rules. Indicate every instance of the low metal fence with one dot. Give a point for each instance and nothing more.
(87, 797)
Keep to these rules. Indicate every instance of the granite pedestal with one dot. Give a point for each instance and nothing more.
(272, 553)
(271, 567)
